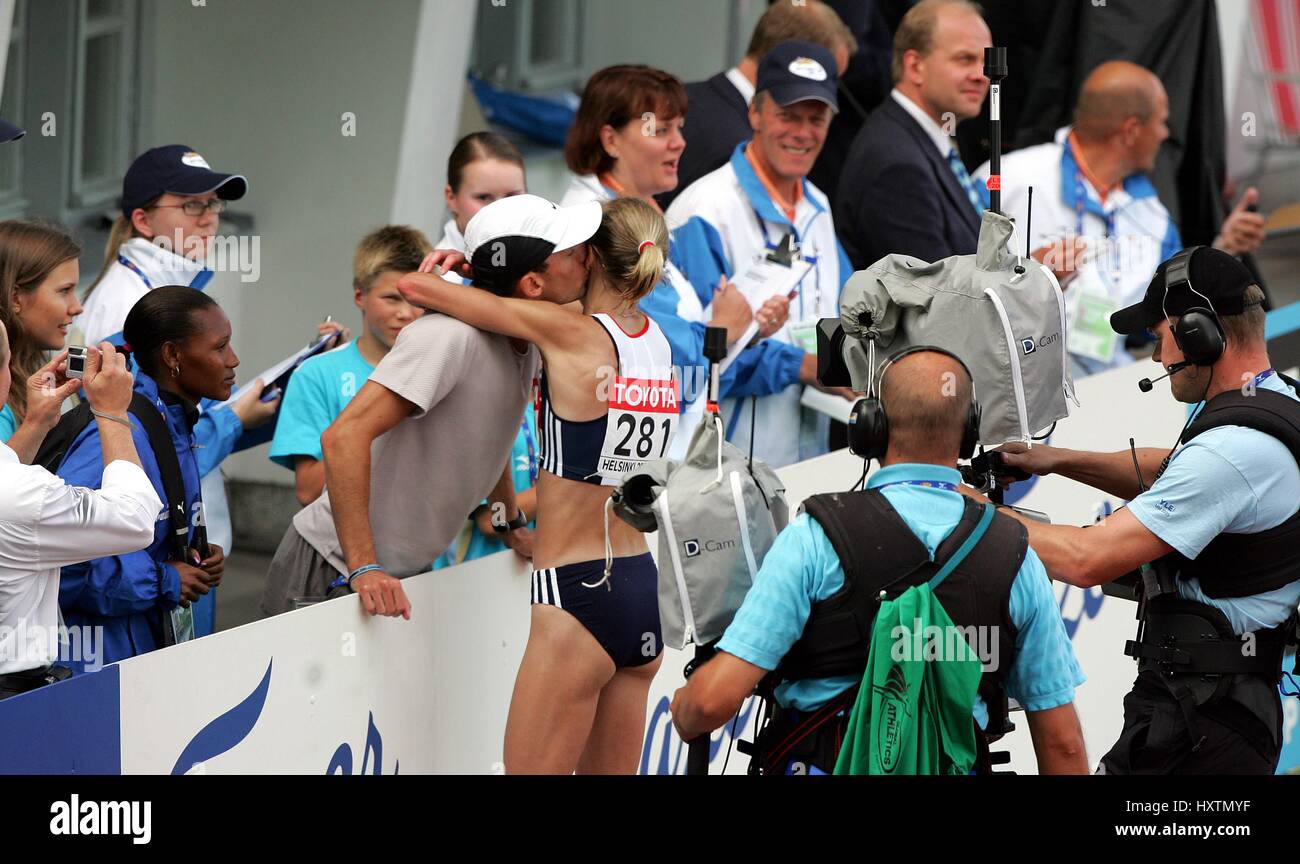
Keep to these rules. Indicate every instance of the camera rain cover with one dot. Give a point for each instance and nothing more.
(716, 518)
(1008, 327)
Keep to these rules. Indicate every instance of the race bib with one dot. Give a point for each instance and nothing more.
(643, 415)
(1090, 308)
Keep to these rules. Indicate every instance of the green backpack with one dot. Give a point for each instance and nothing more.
(913, 713)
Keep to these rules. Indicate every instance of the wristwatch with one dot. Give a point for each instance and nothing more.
(520, 521)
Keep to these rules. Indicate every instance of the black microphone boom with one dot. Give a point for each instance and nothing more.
(1146, 384)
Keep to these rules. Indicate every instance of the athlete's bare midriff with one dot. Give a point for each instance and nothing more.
(571, 513)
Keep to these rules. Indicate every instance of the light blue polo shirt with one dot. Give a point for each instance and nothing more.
(802, 568)
(1228, 480)
(8, 423)
(318, 392)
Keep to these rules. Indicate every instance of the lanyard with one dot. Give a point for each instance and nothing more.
(1260, 378)
(130, 265)
(532, 450)
(811, 259)
(1112, 251)
(925, 484)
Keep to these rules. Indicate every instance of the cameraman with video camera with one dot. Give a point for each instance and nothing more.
(825, 576)
(1219, 529)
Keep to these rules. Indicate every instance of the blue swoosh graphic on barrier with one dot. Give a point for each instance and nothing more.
(225, 732)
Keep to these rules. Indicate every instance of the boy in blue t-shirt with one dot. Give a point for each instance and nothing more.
(319, 389)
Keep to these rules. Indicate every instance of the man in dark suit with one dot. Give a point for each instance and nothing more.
(904, 188)
(718, 109)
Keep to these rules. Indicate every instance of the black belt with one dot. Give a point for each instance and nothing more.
(14, 683)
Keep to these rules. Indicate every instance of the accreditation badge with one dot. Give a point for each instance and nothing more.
(804, 335)
(1089, 306)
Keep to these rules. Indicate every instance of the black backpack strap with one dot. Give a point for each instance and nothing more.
(164, 452)
(868, 536)
(1265, 411)
(58, 441)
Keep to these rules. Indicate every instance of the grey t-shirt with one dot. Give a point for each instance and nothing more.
(429, 472)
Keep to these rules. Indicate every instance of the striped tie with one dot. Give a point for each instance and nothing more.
(976, 192)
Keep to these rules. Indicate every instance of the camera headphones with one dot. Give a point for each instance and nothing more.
(1199, 332)
(869, 425)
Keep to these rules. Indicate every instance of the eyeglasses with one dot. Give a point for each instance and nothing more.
(216, 207)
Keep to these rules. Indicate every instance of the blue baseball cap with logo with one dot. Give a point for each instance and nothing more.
(177, 169)
(9, 132)
(797, 71)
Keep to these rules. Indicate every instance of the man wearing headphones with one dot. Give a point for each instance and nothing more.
(832, 562)
(1220, 527)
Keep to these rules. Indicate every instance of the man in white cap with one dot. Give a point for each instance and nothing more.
(441, 411)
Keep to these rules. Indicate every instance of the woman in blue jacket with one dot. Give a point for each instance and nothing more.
(181, 340)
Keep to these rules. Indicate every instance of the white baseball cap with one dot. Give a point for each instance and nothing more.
(513, 236)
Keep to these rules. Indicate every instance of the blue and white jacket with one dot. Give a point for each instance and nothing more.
(127, 595)
(724, 223)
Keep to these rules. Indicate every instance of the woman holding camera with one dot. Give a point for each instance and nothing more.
(38, 300)
(180, 339)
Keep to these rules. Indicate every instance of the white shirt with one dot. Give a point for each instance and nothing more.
(452, 239)
(46, 524)
(741, 83)
(941, 141)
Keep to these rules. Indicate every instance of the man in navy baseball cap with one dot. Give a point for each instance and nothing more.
(9, 132)
(177, 169)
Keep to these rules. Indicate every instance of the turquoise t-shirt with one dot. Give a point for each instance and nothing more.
(524, 461)
(318, 392)
(1230, 480)
(802, 568)
(8, 423)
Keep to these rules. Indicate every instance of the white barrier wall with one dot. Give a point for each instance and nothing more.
(328, 687)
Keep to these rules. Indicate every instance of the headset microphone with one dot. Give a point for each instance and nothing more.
(1146, 384)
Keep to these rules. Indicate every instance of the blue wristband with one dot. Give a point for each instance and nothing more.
(369, 568)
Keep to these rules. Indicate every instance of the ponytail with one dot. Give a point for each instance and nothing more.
(632, 244)
(122, 232)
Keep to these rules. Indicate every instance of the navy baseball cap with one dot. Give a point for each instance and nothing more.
(797, 71)
(1206, 274)
(9, 132)
(179, 170)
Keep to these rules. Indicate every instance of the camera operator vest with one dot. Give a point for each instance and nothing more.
(1191, 646)
(881, 555)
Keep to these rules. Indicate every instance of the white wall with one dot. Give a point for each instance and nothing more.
(685, 37)
(438, 687)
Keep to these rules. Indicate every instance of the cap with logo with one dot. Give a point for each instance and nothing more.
(10, 132)
(179, 170)
(1211, 274)
(797, 71)
(513, 236)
